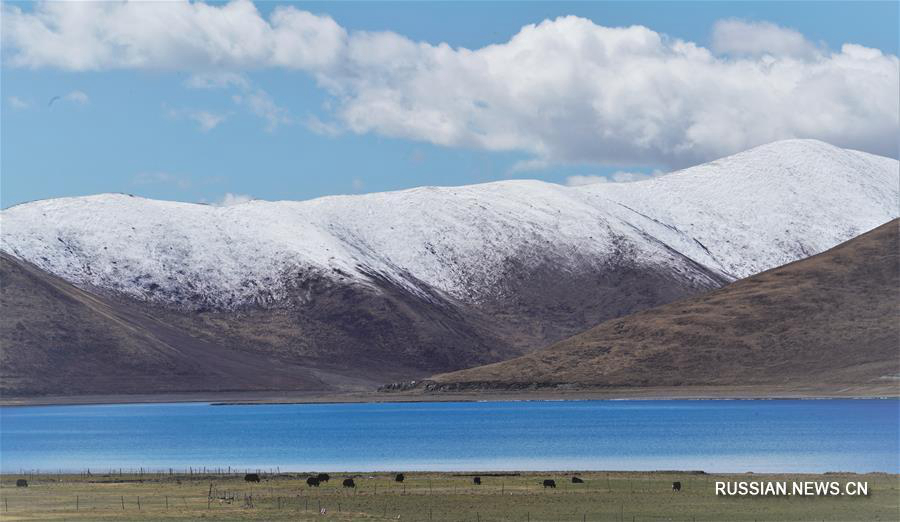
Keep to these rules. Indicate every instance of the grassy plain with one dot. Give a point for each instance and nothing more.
(614, 496)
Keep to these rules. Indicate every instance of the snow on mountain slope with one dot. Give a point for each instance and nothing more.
(734, 217)
(764, 207)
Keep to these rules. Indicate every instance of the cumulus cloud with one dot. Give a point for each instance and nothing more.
(82, 36)
(564, 91)
(230, 199)
(618, 177)
(570, 91)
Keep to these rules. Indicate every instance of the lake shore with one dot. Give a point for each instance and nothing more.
(887, 390)
(614, 495)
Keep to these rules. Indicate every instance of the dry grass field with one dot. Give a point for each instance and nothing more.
(616, 496)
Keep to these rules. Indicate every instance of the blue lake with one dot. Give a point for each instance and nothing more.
(714, 435)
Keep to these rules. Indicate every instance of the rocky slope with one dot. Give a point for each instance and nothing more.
(832, 320)
(405, 284)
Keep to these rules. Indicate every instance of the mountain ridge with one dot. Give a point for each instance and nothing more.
(372, 288)
(454, 239)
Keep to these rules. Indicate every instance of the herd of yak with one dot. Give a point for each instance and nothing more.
(315, 480)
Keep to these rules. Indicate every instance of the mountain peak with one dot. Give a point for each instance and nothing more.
(733, 217)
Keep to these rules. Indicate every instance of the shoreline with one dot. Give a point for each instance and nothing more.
(355, 397)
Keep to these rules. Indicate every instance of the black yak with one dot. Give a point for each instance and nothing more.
(21, 483)
(576, 480)
(549, 483)
(312, 482)
(676, 486)
(477, 481)
(399, 477)
(323, 477)
(251, 477)
(348, 483)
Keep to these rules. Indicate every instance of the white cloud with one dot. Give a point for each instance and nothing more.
(618, 177)
(262, 105)
(230, 199)
(82, 36)
(564, 90)
(744, 38)
(316, 125)
(570, 91)
(206, 120)
(256, 100)
(17, 103)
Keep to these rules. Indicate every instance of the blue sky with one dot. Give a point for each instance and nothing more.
(305, 128)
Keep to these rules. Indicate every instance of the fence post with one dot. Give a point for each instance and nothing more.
(122, 498)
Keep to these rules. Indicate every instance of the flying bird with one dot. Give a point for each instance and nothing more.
(53, 99)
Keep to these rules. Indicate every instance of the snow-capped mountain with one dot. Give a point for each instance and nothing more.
(404, 284)
(734, 217)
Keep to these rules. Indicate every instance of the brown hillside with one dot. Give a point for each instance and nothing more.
(831, 319)
(61, 340)
(56, 339)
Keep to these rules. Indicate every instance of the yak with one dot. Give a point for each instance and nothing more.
(312, 482)
(348, 483)
(549, 483)
(676, 486)
(576, 480)
(477, 481)
(323, 477)
(399, 477)
(21, 483)
(251, 477)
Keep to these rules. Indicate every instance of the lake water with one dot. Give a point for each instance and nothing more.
(715, 436)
